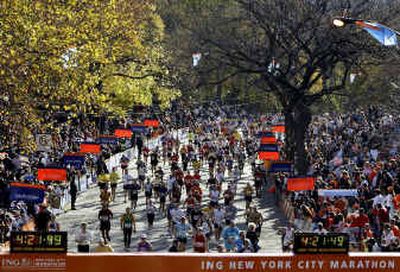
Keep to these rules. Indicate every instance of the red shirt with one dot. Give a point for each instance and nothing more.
(383, 215)
(360, 221)
(199, 243)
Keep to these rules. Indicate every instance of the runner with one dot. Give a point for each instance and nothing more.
(150, 211)
(105, 216)
(144, 245)
(134, 194)
(200, 241)
(128, 181)
(127, 223)
(114, 178)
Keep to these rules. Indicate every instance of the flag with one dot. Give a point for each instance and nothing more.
(265, 134)
(268, 147)
(338, 192)
(268, 140)
(52, 174)
(27, 192)
(139, 128)
(196, 57)
(90, 148)
(151, 123)
(266, 155)
(280, 166)
(123, 133)
(381, 33)
(278, 129)
(77, 160)
(300, 183)
(337, 160)
(107, 139)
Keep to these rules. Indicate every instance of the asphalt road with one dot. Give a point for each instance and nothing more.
(88, 206)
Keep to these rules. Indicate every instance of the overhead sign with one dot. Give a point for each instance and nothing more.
(107, 139)
(266, 155)
(28, 193)
(123, 133)
(268, 140)
(151, 123)
(139, 128)
(278, 129)
(301, 183)
(278, 166)
(268, 147)
(76, 159)
(265, 134)
(52, 174)
(338, 192)
(92, 148)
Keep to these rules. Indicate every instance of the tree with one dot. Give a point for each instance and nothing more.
(77, 57)
(209, 80)
(292, 51)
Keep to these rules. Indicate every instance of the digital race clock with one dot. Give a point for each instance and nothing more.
(319, 243)
(31, 241)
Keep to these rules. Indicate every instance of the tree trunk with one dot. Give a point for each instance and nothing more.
(302, 119)
(289, 135)
(297, 121)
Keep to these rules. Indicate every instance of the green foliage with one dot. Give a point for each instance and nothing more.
(84, 57)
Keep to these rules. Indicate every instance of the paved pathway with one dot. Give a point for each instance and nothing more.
(88, 206)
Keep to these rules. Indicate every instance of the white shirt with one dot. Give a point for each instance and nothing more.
(288, 238)
(177, 214)
(170, 183)
(387, 238)
(128, 179)
(214, 195)
(379, 199)
(322, 231)
(83, 238)
(142, 171)
(219, 216)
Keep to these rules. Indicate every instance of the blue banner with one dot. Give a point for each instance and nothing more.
(107, 140)
(76, 161)
(268, 147)
(28, 194)
(280, 167)
(265, 134)
(337, 192)
(139, 129)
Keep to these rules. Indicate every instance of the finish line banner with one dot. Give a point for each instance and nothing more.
(197, 262)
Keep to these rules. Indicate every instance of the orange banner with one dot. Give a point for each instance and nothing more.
(52, 174)
(278, 129)
(267, 155)
(151, 123)
(90, 148)
(123, 133)
(268, 140)
(198, 262)
(300, 184)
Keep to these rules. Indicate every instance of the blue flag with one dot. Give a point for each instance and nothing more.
(381, 33)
